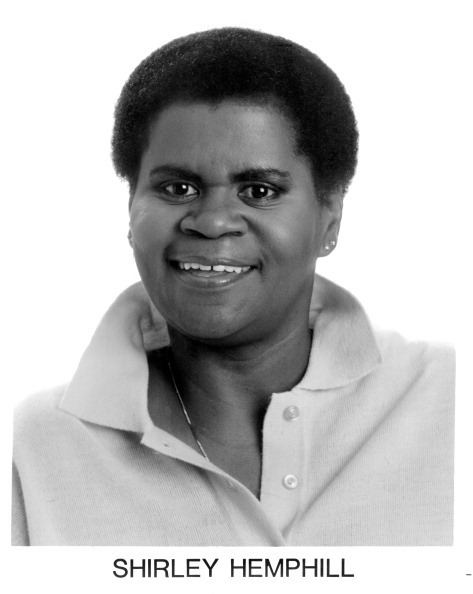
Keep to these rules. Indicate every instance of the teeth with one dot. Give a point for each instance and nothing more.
(200, 267)
(216, 268)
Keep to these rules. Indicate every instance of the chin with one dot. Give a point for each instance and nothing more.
(217, 330)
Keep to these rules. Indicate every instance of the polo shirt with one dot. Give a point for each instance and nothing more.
(359, 452)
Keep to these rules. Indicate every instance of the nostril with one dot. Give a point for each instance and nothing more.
(213, 224)
(190, 231)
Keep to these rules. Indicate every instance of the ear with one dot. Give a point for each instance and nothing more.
(132, 182)
(332, 209)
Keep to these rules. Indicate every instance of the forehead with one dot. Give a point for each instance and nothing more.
(228, 134)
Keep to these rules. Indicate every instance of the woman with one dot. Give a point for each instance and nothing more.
(232, 398)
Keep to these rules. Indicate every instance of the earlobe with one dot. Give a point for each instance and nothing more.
(328, 247)
(334, 209)
(130, 239)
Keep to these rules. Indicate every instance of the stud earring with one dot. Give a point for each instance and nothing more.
(330, 245)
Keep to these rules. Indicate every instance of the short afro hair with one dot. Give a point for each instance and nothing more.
(249, 66)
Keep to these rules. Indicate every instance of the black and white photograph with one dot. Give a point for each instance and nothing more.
(236, 299)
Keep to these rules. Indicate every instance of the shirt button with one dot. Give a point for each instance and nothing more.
(290, 481)
(291, 413)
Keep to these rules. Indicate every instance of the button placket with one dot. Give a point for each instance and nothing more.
(283, 458)
(290, 414)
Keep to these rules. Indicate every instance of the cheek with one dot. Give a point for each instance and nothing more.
(147, 228)
(149, 241)
(296, 239)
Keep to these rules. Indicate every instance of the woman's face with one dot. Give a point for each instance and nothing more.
(225, 222)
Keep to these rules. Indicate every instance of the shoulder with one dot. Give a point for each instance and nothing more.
(423, 370)
(397, 350)
(39, 414)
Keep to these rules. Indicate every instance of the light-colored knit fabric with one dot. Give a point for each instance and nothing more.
(371, 449)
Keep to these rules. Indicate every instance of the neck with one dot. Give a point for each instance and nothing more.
(231, 386)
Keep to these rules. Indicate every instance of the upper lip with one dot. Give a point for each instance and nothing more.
(210, 260)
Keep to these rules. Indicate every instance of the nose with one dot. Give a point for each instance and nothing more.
(214, 215)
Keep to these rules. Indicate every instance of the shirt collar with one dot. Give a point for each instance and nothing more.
(110, 386)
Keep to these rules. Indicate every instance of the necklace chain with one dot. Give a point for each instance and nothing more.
(186, 414)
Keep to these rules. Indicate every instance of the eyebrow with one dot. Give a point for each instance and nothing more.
(252, 174)
(175, 171)
(260, 174)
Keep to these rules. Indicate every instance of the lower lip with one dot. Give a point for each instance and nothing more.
(203, 279)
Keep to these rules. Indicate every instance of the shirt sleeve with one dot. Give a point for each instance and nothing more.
(19, 526)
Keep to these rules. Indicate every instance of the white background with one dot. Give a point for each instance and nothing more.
(404, 247)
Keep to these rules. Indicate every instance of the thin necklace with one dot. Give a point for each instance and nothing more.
(184, 410)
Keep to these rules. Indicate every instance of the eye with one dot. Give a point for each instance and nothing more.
(259, 193)
(179, 190)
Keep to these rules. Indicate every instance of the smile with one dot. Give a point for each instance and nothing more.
(200, 272)
(212, 268)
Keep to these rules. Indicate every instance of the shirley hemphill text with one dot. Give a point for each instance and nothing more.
(245, 567)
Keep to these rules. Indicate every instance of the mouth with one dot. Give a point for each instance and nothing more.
(211, 274)
(213, 268)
